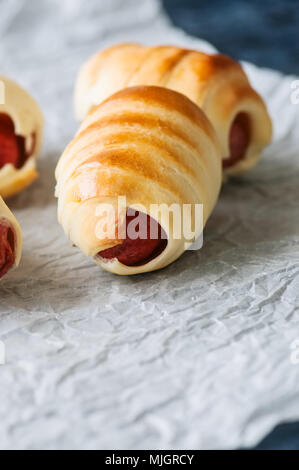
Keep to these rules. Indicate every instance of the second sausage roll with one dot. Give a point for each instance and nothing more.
(215, 82)
(21, 130)
(153, 148)
(10, 240)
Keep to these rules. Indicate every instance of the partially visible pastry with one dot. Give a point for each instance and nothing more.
(143, 156)
(21, 130)
(10, 240)
(216, 83)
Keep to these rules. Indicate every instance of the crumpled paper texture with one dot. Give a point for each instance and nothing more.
(195, 356)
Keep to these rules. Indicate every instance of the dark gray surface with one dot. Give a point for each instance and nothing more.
(284, 437)
(266, 33)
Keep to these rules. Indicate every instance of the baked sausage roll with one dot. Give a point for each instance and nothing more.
(216, 83)
(21, 126)
(154, 150)
(10, 240)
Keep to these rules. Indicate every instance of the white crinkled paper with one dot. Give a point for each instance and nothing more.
(195, 356)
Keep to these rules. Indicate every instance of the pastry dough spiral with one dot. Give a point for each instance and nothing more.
(21, 129)
(216, 83)
(10, 240)
(150, 145)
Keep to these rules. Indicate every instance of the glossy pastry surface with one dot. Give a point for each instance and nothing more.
(21, 129)
(153, 147)
(10, 240)
(216, 83)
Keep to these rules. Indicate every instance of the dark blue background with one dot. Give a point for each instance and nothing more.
(265, 32)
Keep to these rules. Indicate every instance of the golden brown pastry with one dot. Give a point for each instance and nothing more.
(216, 83)
(151, 146)
(21, 128)
(10, 240)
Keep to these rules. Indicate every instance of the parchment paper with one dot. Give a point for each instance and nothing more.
(195, 356)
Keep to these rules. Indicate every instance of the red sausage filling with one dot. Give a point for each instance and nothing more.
(12, 146)
(239, 139)
(7, 248)
(139, 251)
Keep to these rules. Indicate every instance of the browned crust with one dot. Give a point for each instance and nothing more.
(141, 152)
(202, 64)
(168, 99)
